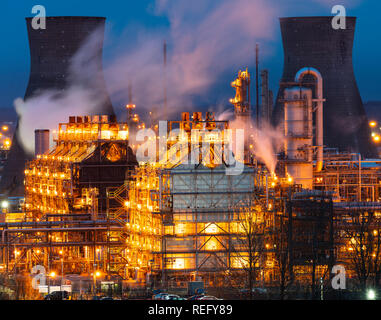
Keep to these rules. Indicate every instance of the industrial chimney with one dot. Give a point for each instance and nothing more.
(41, 141)
(312, 42)
(51, 52)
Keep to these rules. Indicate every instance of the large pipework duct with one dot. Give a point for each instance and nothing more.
(319, 110)
(311, 41)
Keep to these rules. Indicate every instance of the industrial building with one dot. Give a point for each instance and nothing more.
(105, 208)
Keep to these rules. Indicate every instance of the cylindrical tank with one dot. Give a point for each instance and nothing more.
(312, 42)
(41, 141)
(298, 130)
(51, 53)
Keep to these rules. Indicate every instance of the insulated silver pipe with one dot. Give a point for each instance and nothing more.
(319, 111)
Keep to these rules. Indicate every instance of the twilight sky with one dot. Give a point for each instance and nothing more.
(131, 25)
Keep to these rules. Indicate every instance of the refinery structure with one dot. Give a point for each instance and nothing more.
(101, 208)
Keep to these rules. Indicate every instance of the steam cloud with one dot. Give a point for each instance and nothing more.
(205, 39)
(267, 140)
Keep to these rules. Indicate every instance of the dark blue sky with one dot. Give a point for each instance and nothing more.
(123, 15)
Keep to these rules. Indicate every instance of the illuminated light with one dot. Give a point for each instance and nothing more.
(178, 263)
(211, 244)
(376, 138)
(267, 246)
(61, 252)
(4, 204)
(180, 228)
(4, 128)
(52, 274)
(38, 251)
(211, 228)
(371, 294)
(372, 124)
(375, 232)
(273, 184)
(127, 203)
(7, 142)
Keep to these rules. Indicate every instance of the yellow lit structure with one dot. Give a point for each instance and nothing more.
(62, 180)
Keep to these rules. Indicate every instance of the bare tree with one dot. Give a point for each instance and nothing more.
(250, 241)
(362, 230)
(281, 255)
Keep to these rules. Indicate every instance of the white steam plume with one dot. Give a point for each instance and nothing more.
(205, 40)
(46, 109)
(267, 141)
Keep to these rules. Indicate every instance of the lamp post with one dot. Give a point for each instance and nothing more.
(96, 274)
(62, 271)
(51, 275)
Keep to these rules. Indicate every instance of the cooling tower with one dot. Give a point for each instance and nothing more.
(312, 42)
(51, 53)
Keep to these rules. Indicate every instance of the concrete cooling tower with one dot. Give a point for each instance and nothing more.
(312, 42)
(51, 53)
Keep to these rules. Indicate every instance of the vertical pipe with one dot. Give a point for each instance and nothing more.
(257, 83)
(319, 111)
(165, 78)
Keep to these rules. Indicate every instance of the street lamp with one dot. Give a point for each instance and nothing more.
(51, 275)
(62, 271)
(371, 294)
(96, 274)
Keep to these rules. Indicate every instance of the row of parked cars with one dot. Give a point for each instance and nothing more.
(168, 296)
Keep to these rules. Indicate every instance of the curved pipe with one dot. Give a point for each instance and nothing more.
(319, 111)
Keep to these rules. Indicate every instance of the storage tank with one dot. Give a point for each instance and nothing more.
(312, 42)
(51, 52)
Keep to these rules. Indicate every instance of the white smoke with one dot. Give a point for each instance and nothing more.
(205, 40)
(267, 141)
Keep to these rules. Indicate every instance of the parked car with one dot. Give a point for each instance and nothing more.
(208, 298)
(159, 296)
(172, 297)
(196, 297)
(57, 295)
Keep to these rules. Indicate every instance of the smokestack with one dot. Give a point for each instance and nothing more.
(312, 42)
(257, 82)
(267, 99)
(51, 51)
(41, 141)
(165, 78)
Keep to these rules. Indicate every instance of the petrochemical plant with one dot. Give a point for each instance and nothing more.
(191, 209)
